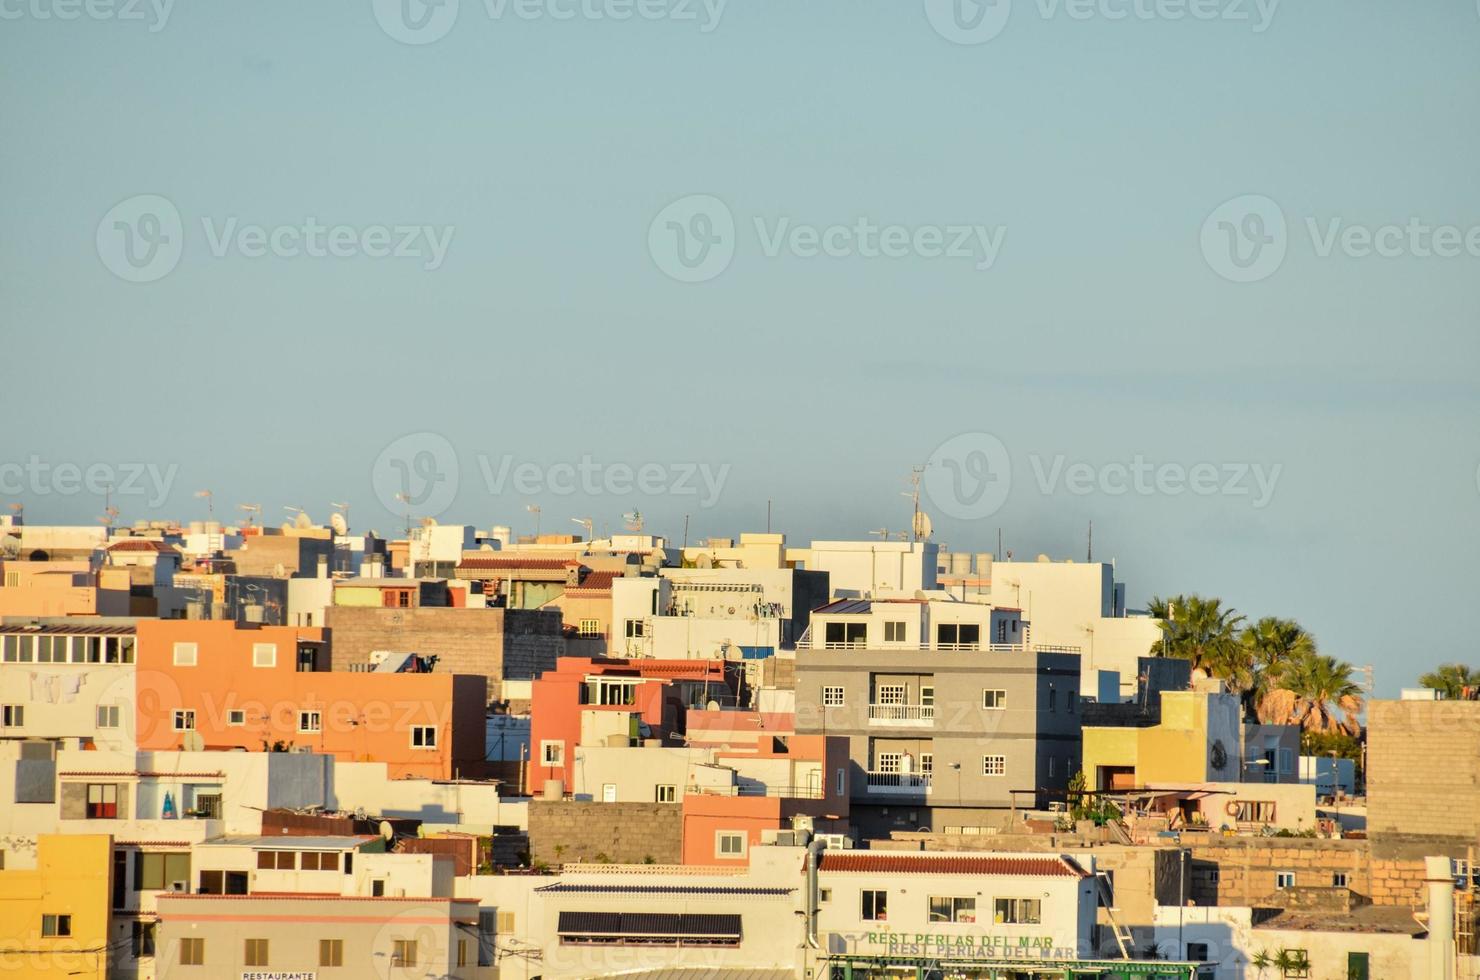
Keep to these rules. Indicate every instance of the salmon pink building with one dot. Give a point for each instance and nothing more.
(590, 701)
(216, 684)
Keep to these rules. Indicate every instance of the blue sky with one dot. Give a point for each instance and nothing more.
(549, 331)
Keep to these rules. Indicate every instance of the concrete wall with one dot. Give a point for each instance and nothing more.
(1242, 870)
(1423, 776)
(565, 831)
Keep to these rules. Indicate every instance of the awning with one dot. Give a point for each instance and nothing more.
(648, 926)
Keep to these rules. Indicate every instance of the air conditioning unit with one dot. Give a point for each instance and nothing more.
(839, 841)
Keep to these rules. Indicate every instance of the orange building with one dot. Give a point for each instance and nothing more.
(216, 684)
(783, 775)
(63, 588)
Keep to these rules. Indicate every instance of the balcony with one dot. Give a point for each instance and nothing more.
(897, 783)
(901, 714)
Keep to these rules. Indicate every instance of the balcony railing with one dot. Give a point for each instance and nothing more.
(898, 782)
(808, 642)
(923, 714)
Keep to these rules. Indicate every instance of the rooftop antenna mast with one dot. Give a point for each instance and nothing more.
(588, 523)
(633, 521)
(1090, 553)
(685, 532)
(109, 511)
(343, 509)
(210, 499)
(254, 511)
(535, 510)
(405, 498)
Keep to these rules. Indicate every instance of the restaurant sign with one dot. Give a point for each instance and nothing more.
(280, 975)
(959, 946)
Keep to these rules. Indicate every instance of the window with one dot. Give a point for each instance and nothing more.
(236, 718)
(377, 888)
(636, 629)
(1050, 767)
(889, 761)
(552, 753)
(186, 654)
(605, 690)
(318, 861)
(51, 650)
(1018, 911)
(144, 934)
(1001, 631)
(1213, 876)
(192, 951)
(994, 700)
(958, 636)
(311, 721)
(1296, 963)
(890, 694)
(13, 716)
(729, 844)
(952, 909)
(894, 632)
(1286, 761)
(1339, 880)
(1284, 879)
(824, 895)
(1072, 700)
(423, 736)
(277, 860)
(845, 635)
(994, 765)
(832, 697)
(590, 627)
(874, 905)
(404, 953)
(120, 649)
(223, 883)
(667, 794)
(842, 783)
(107, 716)
(264, 654)
(1197, 952)
(159, 871)
(1255, 811)
(927, 695)
(927, 763)
(1358, 966)
(331, 952)
(487, 933)
(102, 801)
(1053, 700)
(255, 953)
(462, 952)
(184, 720)
(56, 925)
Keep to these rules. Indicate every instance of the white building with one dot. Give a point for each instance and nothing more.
(858, 569)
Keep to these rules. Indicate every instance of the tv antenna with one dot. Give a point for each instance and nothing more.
(405, 498)
(586, 523)
(632, 521)
(210, 499)
(535, 510)
(343, 517)
(109, 511)
(253, 511)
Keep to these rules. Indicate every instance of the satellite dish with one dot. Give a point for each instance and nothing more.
(302, 520)
(705, 560)
(286, 527)
(339, 524)
(359, 813)
(278, 571)
(428, 522)
(923, 527)
(712, 706)
(193, 742)
(387, 831)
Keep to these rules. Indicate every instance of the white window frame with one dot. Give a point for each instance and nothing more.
(264, 654)
(1284, 880)
(994, 699)
(889, 762)
(589, 627)
(722, 836)
(666, 793)
(994, 765)
(556, 758)
(833, 696)
(109, 715)
(896, 626)
(1340, 879)
(427, 745)
(310, 722)
(186, 715)
(236, 718)
(185, 654)
(891, 694)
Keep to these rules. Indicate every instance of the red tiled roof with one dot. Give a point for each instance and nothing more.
(517, 563)
(876, 863)
(316, 896)
(595, 582)
(143, 544)
(129, 774)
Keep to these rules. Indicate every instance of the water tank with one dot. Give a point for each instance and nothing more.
(554, 789)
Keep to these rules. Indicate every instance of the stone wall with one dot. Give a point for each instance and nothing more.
(568, 831)
(1244, 870)
(496, 643)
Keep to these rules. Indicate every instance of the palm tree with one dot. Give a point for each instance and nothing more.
(1203, 632)
(1451, 679)
(1316, 693)
(1272, 643)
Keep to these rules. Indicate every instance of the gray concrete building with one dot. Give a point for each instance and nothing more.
(946, 730)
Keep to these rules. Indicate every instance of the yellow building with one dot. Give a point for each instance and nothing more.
(1194, 738)
(54, 917)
